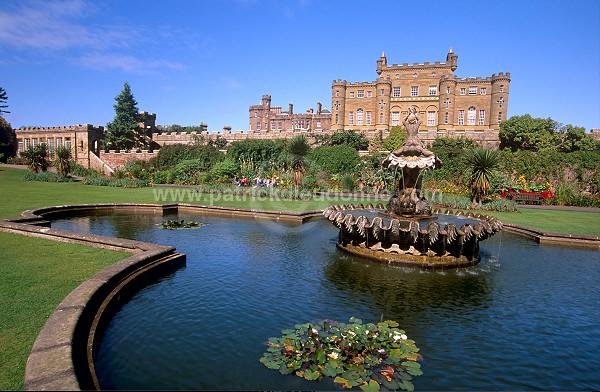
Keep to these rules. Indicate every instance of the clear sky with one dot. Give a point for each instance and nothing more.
(62, 62)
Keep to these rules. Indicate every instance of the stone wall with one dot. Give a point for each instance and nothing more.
(115, 159)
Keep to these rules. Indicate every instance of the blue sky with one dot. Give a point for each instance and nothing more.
(62, 62)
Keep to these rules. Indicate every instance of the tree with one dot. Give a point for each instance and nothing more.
(7, 140)
(482, 166)
(527, 133)
(395, 139)
(571, 138)
(37, 158)
(298, 148)
(357, 141)
(3, 99)
(63, 160)
(124, 132)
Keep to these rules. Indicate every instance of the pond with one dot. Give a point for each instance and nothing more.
(526, 318)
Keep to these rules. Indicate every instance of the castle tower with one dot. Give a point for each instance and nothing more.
(338, 105)
(383, 94)
(499, 104)
(447, 102)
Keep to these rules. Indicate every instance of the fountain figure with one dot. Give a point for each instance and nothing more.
(395, 235)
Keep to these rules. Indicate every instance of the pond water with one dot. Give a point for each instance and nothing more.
(526, 318)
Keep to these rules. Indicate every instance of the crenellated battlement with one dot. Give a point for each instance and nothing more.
(427, 64)
(64, 128)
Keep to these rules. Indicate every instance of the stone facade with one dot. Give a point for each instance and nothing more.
(449, 106)
(81, 139)
(266, 119)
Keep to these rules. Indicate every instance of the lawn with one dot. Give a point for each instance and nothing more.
(36, 274)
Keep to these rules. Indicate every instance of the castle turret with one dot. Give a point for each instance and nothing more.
(452, 59)
(447, 101)
(291, 109)
(381, 63)
(383, 94)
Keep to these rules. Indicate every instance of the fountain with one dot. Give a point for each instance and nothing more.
(407, 231)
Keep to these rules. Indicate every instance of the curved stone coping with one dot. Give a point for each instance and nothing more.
(62, 354)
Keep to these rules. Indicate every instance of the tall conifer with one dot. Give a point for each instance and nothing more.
(123, 130)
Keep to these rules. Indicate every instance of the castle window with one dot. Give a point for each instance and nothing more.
(446, 118)
(447, 103)
(27, 143)
(482, 117)
(337, 118)
(337, 105)
(397, 76)
(382, 91)
(258, 125)
(433, 74)
(396, 92)
(500, 102)
(351, 94)
(461, 117)
(432, 90)
(359, 117)
(350, 118)
(318, 124)
(395, 118)
(448, 90)
(51, 147)
(34, 142)
(381, 104)
(380, 118)
(337, 93)
(501, 88)
(68, 143)
(279, 124)
(473, 90)
(368, 118)
(414, 91)
(369, 94)
(430, 118)
(58, 142)
(361, 93)
(463, 91)
(272, 125)
(20, 144)
(483, 91)
(471, 116)
(499, 117)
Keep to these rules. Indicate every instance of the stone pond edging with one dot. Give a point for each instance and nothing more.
(62, 355)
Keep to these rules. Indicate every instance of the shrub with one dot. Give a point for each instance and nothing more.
(115, 182)
(565, 194)
(163, 177)
(37, 158)
(171, 155)
(46, 177)
(335, 159)
(187, 171)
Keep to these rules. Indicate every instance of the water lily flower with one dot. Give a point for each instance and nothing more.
(334, 355)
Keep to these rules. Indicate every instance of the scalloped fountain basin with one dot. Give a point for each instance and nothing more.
(437, 241)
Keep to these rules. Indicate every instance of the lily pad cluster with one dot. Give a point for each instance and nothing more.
(182, 224)
(369, 356)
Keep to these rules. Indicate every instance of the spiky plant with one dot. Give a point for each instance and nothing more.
(63, 160)
(482, 164)
(297, 149)
(37, 158)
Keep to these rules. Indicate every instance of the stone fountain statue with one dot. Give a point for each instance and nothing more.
(412, 158)
(394, 235)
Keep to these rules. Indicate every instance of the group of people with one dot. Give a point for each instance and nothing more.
(266, 182)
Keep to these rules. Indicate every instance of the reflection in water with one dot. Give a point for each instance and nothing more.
(525, 318)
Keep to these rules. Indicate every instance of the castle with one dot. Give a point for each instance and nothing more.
(449, 106)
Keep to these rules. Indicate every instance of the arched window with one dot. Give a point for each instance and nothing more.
(471, 115)
(359, 117)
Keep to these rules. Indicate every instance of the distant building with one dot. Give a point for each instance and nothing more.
(449, 106)
(265, 118)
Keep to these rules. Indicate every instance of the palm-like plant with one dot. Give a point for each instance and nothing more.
(63, 160)
(37, 158)
(482, 164)
(298, 148)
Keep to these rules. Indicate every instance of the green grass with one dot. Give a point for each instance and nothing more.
(35, 276)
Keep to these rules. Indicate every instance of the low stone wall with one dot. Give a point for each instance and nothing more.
(116, 159)
(542, 237)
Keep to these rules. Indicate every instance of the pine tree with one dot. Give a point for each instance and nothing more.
(3, 98)
(123, 131)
